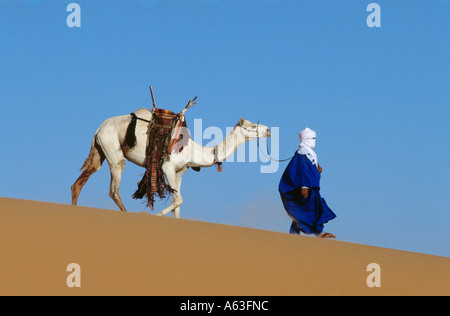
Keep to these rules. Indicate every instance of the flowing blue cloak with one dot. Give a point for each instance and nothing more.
(309, 215)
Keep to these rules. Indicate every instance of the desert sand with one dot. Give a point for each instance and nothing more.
(141, 254)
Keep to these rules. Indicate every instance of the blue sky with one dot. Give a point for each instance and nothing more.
(377, 97)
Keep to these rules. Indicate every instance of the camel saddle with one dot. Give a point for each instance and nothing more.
(164, 132)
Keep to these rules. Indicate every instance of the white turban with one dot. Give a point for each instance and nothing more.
(307, 143)
(308, 138)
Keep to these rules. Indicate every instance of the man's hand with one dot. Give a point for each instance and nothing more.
(305, 193)
(320, 169)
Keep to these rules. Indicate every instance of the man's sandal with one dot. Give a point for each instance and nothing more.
(326, 235)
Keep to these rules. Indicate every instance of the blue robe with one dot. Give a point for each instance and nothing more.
(309, 215)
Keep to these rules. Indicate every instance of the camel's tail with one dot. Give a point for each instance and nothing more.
(95, 159)
(91, 165)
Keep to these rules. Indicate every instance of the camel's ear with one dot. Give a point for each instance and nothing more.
(241, 121)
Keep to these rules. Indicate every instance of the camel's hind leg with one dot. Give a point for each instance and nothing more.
(116, 160)
(116, 177)
(92, 164)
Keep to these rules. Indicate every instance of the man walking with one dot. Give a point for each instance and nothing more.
(300, 190)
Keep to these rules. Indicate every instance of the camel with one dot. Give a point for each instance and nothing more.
(109, 143)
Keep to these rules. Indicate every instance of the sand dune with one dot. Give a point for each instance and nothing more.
(140, 254)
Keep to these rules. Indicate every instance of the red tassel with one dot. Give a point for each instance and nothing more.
(219, 167)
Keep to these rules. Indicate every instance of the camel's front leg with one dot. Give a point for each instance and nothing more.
(179, 178)
(171, 176)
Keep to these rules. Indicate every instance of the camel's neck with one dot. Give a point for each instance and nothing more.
(209, 156)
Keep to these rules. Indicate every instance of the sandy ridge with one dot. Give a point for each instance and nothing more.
(139, 254)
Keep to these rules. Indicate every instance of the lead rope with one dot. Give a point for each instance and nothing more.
(268, 156)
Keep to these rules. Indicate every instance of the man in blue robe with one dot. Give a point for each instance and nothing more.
(300, 190)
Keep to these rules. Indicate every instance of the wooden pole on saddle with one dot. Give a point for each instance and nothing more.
(190, 104)
(153, 99)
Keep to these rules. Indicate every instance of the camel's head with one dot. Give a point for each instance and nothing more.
(251, 130)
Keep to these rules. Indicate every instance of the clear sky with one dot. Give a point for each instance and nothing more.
(377, 97)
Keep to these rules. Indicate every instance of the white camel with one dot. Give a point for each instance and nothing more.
(108, 143)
